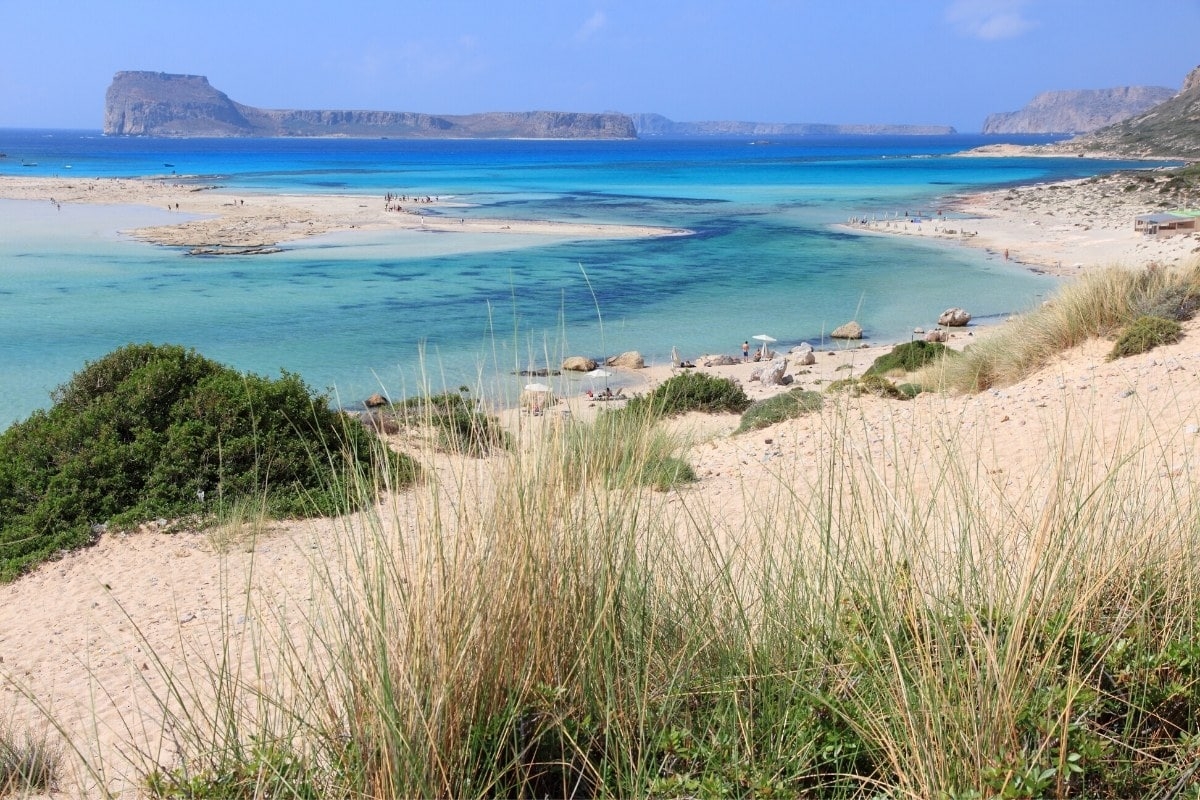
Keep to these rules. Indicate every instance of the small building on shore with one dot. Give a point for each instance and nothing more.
(1167, 223)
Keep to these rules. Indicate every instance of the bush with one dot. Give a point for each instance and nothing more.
(910, 357)
(781, 407)
(872, 384)
(691, 391)
(1143, 334)
(159, 431)
(461, 428)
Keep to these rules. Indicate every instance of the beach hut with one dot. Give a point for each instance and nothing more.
(1166, 223)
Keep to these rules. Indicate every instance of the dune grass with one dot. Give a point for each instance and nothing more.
(1098, 304)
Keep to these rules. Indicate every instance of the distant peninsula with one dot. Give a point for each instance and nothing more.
(162, 104)
(658, 125)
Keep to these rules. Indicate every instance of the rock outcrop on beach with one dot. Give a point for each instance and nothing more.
(658, 125)
(1078, 111)
(163, 104)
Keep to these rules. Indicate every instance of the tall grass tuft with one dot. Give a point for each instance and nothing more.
(28, 763)
(1097, 304)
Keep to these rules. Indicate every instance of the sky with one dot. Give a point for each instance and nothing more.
(944, 62)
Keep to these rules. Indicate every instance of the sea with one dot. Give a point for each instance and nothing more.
(362, 312)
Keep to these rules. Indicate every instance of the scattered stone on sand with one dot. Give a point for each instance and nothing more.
(631, 359)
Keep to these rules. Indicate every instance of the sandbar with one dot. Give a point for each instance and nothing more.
(214, 219)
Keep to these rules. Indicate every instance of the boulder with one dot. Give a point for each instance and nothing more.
(803, 354)
(629, 360)
(578, 364)
(851, 330)
(773, 374)
(721, 361)
(375, 401)
(954, 318)
(936, 336)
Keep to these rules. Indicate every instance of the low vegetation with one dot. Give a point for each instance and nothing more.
(876, 385)
(779, 408)
(1144, 334)
(158, 431)
(29, 764)
(691, 391)
(909, 357)
(461, 427)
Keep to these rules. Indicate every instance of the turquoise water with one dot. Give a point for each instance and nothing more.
(360, 312)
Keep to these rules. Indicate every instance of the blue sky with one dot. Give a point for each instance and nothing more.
(901, 61)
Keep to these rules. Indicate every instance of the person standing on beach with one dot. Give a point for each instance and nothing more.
(745, 350)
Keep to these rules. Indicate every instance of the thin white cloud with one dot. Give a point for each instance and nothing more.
(989, 19)
(592, 26)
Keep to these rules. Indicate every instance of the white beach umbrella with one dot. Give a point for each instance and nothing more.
(765, 339)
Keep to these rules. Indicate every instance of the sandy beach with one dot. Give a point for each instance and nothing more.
(1060, 228)
(83, 638)
(215, 220)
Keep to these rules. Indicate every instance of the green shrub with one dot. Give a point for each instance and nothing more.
(909, 357)
(691, 391)
(871, 384)
(667, 473)
(781, 407)
(1143, 334)
(461, 427)
(159, 431)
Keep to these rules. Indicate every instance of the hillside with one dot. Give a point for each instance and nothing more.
(1169, 130)
(1077, 111)
(162, 104)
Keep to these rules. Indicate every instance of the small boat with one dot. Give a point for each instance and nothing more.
(168, 165)
(28, 163)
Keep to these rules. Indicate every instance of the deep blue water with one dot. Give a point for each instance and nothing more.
(363, 311)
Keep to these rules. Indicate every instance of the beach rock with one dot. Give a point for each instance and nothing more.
(803, 354)
(721, 361)
(773, 374)
(629, 360)
(375, 401)
(578, 364)
(936, 336)
(851, 330)
(954, 318)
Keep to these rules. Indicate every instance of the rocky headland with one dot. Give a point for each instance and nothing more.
(163, 104)
(1078, 110)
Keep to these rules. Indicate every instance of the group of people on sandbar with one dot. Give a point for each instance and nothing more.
(391, 201)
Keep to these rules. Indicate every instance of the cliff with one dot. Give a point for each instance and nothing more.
(1168, 130)
(1078, 111)
(161, 104)
(658, 125)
